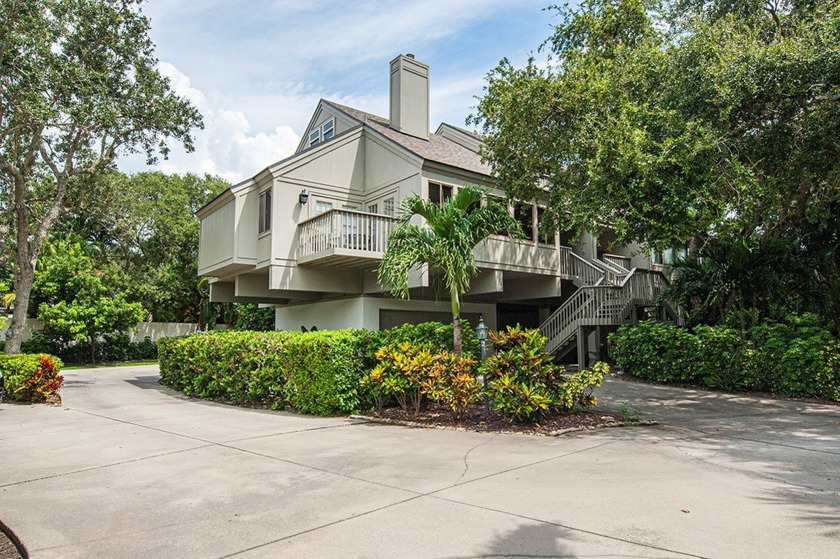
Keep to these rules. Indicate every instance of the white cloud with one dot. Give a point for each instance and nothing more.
(226, 147)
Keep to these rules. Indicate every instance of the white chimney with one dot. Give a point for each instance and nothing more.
(410, 96)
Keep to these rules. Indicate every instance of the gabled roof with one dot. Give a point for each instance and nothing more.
(436, 148)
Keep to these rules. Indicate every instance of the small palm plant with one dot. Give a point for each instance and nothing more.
(445, 242)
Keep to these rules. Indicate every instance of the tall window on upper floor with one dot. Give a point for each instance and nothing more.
(524, 214)
(439, 192)
(546, 237)
(265, 211)
(328, 130)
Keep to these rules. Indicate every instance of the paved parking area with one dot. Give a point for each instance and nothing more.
(126, 468)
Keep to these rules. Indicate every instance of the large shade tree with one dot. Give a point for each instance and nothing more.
(445, 242)
(79, 85)
(675, 120)
(681, 122)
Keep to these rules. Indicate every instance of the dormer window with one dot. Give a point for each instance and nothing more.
(322, 133)
(328, 129)
(315, 137)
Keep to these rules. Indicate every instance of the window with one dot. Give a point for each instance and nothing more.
(322, 133)
(389, 206)
(328, 129)
(265, 212)
(439, 192)
(315, 137)
(503, 203)
(321, 207)
(524, 214)
(545, 237)
(373, 208)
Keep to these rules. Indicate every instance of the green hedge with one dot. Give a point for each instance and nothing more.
(314, 372)
(797, 358)
(30, 378)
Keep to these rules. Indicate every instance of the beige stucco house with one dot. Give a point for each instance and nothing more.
(307, 233)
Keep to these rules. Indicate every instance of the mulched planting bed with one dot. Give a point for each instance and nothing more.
(476, 419)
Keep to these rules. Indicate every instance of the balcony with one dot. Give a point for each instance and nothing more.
(346, 238)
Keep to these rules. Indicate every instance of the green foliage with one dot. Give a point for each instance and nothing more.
(445, 242)
(80, 85)
(31, 378)
(797, 358)
(317, 372)
(323, 372)
(251, 317)
(655, 351)
(435, 336)
(672, 124)
(524, 382)
(76, 302)
(145, 225)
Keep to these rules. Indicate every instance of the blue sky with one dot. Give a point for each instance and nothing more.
(256, 68)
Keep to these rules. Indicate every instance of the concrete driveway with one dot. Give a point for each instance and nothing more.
(126, 468)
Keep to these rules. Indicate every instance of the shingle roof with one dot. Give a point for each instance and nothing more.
(436, 148)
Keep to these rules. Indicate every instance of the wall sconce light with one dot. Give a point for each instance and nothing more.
(303, 197)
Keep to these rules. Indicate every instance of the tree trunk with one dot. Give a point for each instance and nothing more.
(456, 321)
(23, 287)
(24, 271)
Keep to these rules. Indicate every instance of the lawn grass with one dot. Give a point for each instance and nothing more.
(107, 365)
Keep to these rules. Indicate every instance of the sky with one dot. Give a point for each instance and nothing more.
(256, 69)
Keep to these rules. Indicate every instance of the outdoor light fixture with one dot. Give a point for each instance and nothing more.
(482, 332)
(303, 197)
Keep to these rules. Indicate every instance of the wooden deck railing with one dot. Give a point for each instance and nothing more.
(345, 229)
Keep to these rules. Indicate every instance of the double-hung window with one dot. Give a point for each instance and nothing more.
(389, 207)
(265, 211)
(322, 133)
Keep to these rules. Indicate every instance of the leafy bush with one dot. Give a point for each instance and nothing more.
(435, 336)
(323, 372)
(655, 351)
(797, 358)
(252, 317)
(317, 372)
(401, 373)
(410, 373)
(524, 381)
(31, 378)
(114, 347)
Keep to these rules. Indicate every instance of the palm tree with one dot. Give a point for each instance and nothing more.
(445, 242)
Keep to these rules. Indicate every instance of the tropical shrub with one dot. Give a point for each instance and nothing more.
(409, 374)
(31, 378)
(655, 351)
(524, 382)
(452, 382)
(433, 335)
(797, 357)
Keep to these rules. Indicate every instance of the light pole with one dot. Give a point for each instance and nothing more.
(482, 331)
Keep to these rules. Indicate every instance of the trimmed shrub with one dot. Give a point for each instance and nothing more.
(435, 336)
(656, 352)
(31, 378)
(113, 347)
(797, 358)
(323, 372)
(243, 367)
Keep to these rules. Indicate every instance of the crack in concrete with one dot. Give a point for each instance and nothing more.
(466, 456)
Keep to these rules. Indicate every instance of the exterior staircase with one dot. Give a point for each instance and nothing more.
(607, 295)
